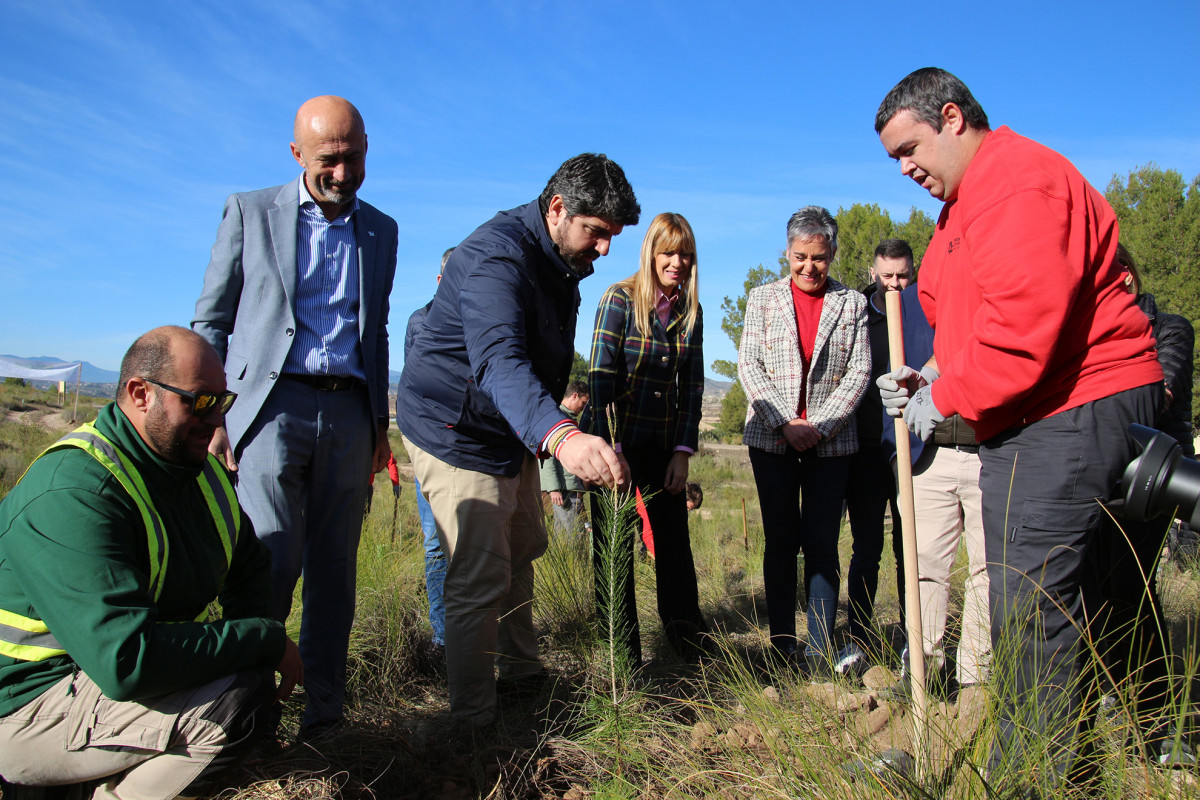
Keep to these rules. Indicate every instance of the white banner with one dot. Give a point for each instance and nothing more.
(61, 372)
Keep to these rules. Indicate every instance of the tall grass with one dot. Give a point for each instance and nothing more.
(731, 728)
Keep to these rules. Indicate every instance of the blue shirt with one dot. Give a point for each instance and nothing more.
(327, 294)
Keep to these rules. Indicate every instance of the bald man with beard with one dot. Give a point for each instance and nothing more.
(114, 546)
(295, 301)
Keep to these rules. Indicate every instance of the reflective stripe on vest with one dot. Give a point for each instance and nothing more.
(29, 639)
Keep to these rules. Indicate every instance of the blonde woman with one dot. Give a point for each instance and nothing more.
(647, 360)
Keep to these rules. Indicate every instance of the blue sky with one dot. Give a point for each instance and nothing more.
(125, 126)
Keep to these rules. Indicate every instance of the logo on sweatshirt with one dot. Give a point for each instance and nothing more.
(954, 243)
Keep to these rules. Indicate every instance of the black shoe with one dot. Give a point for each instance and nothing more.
(319, 731)
(523, 687)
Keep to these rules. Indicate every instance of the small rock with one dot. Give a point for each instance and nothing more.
(772, 738)
(771, 694)
(701, 732)
(878, 677)
(748, 734)
(576, 792)
(875, 721)
(848, 702)
(823, 694)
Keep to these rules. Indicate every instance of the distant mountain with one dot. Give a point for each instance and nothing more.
(91, 374)
(715, 388)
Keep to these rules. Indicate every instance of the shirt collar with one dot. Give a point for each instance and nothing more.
(307, 202)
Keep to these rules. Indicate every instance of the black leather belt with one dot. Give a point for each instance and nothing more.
(326, 383)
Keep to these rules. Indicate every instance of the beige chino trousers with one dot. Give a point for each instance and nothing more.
(491, 529)
(949, 510)
(72, 733)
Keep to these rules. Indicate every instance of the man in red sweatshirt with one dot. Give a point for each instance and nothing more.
(1045, 356)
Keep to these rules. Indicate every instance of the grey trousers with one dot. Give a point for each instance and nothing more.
(1062, 580)
(151, 750)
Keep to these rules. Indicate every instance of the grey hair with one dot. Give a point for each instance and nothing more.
(445, 258)
(925, 93)
(810, 222)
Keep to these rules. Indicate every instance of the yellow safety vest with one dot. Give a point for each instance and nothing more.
(29, 639)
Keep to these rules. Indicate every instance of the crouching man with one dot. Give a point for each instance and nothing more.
(115, 547)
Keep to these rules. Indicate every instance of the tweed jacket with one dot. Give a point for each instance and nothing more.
(656, 381)
(771, 367)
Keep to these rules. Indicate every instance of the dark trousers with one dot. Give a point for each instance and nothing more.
(800, 496)
(675, 571)
(1066, 584)
(870, 488)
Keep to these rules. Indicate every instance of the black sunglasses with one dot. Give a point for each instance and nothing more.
(202, 403)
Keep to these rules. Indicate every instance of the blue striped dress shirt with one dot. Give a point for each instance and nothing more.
(327, 295)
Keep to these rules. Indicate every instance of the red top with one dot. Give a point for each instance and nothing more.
(808, 317)
(1019, 282)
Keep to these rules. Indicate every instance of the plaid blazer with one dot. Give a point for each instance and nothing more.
(656, 381)
(771, 366)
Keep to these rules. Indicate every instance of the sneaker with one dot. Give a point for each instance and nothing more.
(892, 768)
(1170, 754)
(851, 662)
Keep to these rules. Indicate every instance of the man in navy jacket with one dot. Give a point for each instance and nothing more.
(478, 402)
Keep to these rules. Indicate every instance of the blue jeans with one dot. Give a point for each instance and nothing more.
(435, 570)
(800, 496)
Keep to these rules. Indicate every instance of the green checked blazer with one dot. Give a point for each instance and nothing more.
(656, 381)
(771, 367)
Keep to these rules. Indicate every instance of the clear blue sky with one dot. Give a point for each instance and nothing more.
(125, 125)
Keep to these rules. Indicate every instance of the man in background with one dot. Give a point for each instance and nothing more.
(871, 485)
(435, 557)
(565, 490)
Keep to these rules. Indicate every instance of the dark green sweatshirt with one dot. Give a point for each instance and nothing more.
(74, 553)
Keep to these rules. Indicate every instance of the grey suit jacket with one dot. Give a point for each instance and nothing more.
(247, 308)
(771, 367)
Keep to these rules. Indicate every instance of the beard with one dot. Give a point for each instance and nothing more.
(340, 193)
(166, 441)
(580, 261)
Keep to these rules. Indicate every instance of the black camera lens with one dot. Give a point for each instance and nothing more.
(1160, 481)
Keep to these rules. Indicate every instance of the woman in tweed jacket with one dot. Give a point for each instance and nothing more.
(804, 362)
(647, 360)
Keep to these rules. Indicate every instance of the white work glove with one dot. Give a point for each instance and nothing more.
(894, 386)
(921, 415)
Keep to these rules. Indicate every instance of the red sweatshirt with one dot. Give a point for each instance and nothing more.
(1019, 283)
